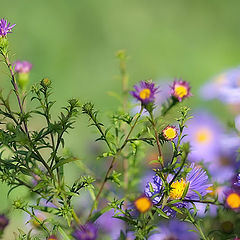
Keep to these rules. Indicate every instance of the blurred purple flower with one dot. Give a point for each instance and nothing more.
(225, 87)
(180, 89)
(109, 225)
(174, 230)
(203, 132)
(145, 92)
(232, 199)
(5, 27)
(85, 232)
(212, 145)
(22, 66)
(236, 182)
(3, 222)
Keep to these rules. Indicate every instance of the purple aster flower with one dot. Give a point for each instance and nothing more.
(109, 225)
(160, 97)
(225, 87)
(85, 232)
(232, 199)
(211, 144)
(145, 92)
(174, 230)
(3, 222)
(196, 179)
(203, 133)
(22, 66)
(180, 90)
(236, 182)
(5, 27)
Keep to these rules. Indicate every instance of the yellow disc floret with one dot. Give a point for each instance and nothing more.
(143, 204)
(145, 93)
(181, 91)
(203, 136)
(177, 190)
(170, 133)
(233, 200)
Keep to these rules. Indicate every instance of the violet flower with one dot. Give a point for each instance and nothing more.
(5, 27)
(145, 92)
(85, 232)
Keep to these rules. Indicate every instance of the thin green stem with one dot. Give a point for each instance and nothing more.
(112, 163)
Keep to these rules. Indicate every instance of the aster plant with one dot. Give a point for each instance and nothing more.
(107, 195)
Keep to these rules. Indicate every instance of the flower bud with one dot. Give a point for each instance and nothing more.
(45, 82)
(22, 68)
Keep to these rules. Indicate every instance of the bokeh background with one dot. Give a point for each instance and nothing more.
(74, 44)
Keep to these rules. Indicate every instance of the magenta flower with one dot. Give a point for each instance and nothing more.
(5, 27)
(22, 66)
(145, 92)
(180, 90)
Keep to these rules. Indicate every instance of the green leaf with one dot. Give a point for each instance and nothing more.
(99, 213)
(64, 235)
(160, 212)
(64, 161)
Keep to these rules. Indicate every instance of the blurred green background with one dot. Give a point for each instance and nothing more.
(74, 44)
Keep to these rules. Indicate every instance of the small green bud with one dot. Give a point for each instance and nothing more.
(45, 82)
(3, 45)
(17, 204)
(10, 127)
(23, 80)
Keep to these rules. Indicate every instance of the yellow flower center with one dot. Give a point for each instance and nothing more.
(143, 204)
(170, 133)
(181, 91)
(145, 93)
(178, 188)
(203, 136)
(233, 200)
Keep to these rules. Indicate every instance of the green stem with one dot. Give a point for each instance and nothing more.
(112, 163)
(157, 140)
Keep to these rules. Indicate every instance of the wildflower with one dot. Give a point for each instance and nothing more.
(195, 183)
(86, 232)
(211, 144)
(224, 87)
(3, 222)
(109, 225)
(22, 66)
(170, 133)
(232, 199)
(5, 27)
(180, 90)
(143, 204)
(52, 237)
(160, 97)
(145, 92)
(174, 230)
(236, 182)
